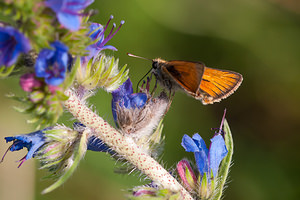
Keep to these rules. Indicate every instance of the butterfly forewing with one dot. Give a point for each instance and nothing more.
(187, 74)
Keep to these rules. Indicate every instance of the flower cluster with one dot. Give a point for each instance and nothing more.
(207, 181)
(59, 149)
(48, 56)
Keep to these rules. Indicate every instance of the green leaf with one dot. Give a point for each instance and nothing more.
(71, 77)
(225, 164)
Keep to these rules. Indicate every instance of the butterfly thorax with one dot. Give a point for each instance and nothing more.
(164, 79)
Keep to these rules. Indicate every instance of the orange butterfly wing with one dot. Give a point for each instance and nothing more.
(217, 84)
(206, 84)
(186, 74)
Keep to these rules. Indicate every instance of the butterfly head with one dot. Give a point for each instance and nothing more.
(157, 63)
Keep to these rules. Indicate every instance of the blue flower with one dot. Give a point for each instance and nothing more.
(96, 144)
(12, 43)
(32, 141)
(138, 114)
(68, 11)
(207, 160)
(96, 33)
(52, 64)
(125, 98)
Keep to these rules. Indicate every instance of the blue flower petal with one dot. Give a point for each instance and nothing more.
(125, 98)
(41, 62)
(68, 11)
(59, 46)
(189, 144)
(124, 90)
(217, 152)
(52, 64)
(55, 5)
(109, 47)
(201, 157)
(12, 43)
(55, 81)
(200, 143)
(32, 141)
(71, 22)
(197, 145)
(95, 144)
(95, 29)
(202, 162)
(137, 100)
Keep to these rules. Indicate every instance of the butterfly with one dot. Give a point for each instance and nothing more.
(206, 84)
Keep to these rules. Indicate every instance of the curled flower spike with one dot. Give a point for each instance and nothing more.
(53, 64)
(96, 33)
(12, 44)
(32, 141)
(68, 12)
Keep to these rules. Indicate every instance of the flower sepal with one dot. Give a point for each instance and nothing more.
(206, 186)
(153, 193)
(100, 72)
(6, 71)
(65, 149)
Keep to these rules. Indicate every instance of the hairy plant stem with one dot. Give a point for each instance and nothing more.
(124, 146)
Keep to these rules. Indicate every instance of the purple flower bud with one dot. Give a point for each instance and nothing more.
(144, 192)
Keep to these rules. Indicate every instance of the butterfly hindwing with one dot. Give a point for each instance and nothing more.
(217, 84)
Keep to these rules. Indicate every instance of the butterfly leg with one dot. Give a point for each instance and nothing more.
(172, 94)
(154, 88)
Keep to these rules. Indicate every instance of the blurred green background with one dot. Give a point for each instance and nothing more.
(258, 38)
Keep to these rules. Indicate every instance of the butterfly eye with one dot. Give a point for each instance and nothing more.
(154, 64)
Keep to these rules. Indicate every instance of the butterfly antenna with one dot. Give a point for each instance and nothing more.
(135, 56)
(137, 87)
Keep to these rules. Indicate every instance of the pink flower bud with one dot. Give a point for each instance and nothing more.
(28, 82)
(53, 88)
(187, 175)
